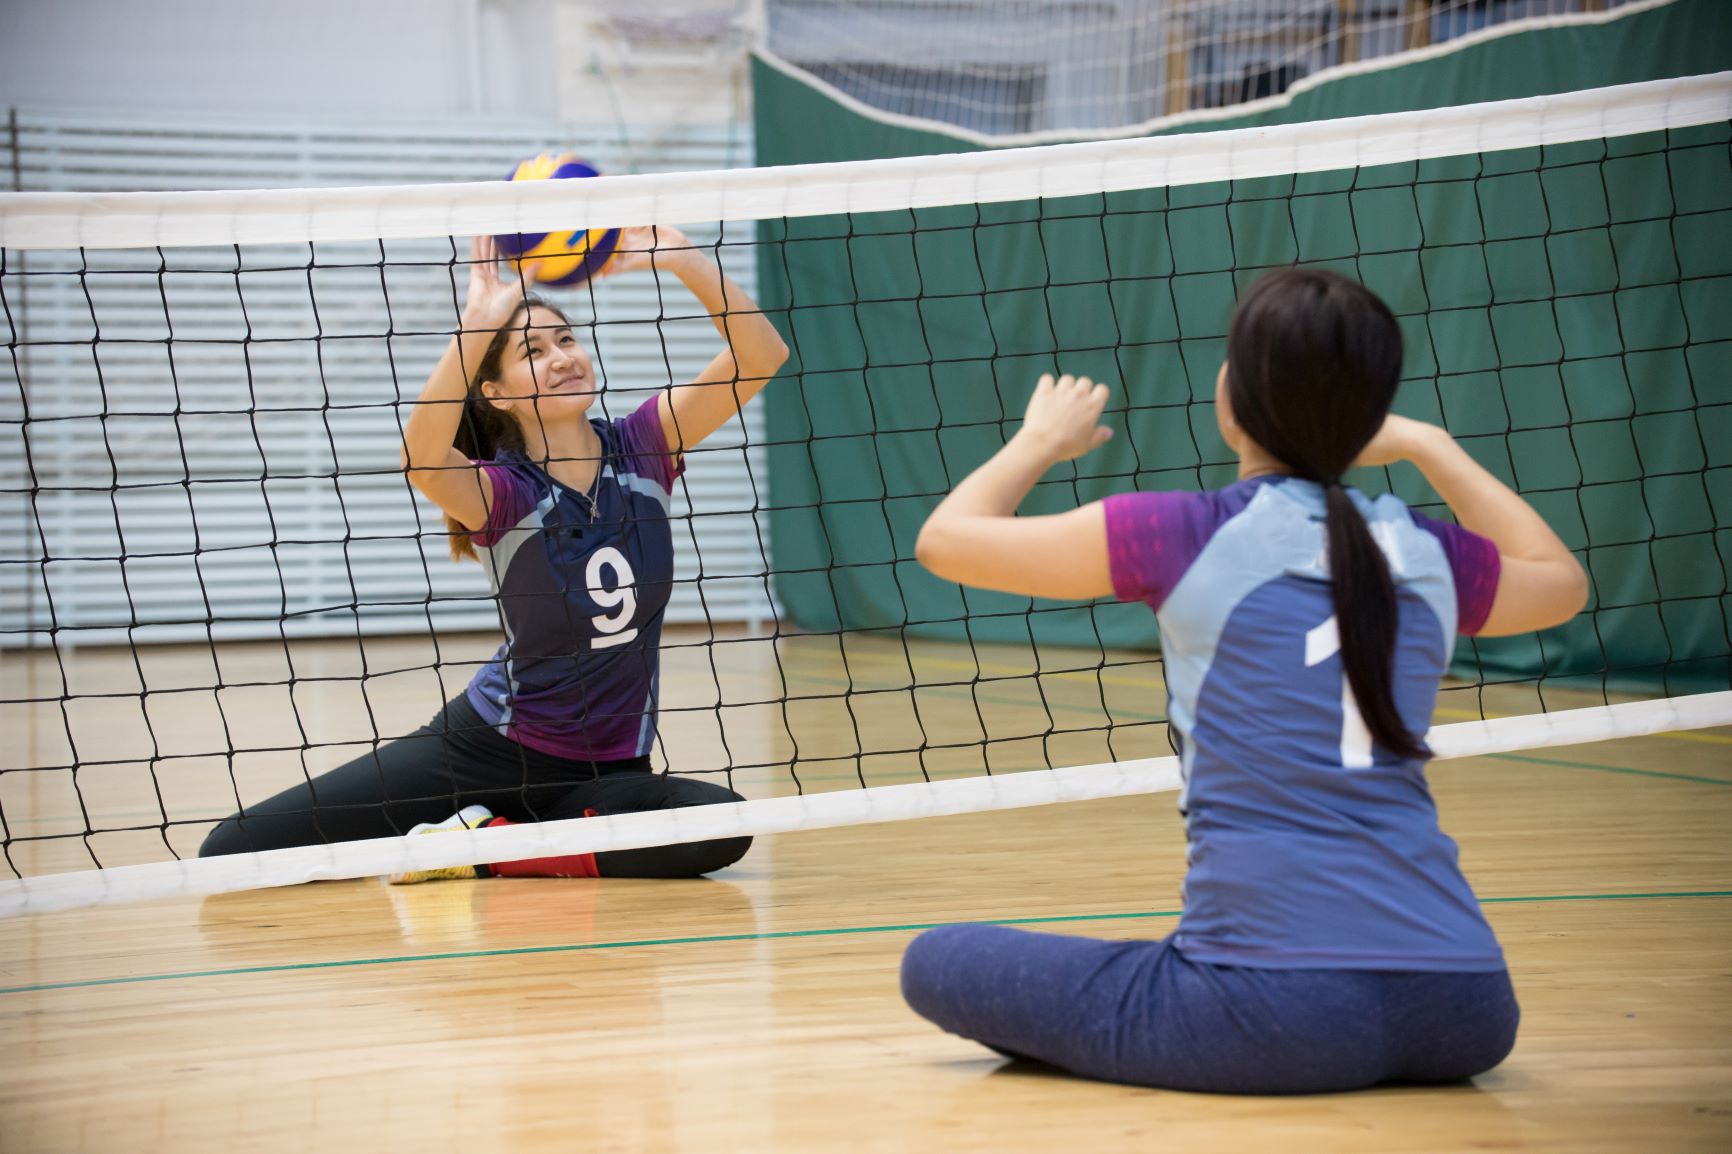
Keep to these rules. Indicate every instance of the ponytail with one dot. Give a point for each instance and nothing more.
(1366, 616)
(1313, 361)
(460, 539)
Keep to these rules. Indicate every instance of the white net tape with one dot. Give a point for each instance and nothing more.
(785, 814)
(299, 216)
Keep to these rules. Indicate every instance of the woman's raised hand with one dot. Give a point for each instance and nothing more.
(647, 246)
(1064, 417)
(492, 298)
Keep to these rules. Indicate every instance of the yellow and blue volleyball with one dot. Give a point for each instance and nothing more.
(562, 258)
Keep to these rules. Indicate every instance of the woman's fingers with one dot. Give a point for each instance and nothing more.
(1067, 392)
(1082, 392)
(1073, 387)
(486, 266)
(1064, 414)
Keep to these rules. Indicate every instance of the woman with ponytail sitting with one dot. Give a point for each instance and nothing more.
(569, 514)
(1329, 940)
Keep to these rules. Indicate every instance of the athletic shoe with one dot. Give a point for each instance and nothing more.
(469, 817)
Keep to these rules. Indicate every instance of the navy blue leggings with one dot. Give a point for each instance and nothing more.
(1140, 1012)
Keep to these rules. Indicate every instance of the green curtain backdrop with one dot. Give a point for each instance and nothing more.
(1571, 321)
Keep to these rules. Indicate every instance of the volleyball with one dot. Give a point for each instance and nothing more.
(562, 258)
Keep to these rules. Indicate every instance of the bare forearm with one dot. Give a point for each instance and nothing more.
(956, 541)
(1484, 504)
(757, 347)
(999, 486)
(436, 413)
(974, 536)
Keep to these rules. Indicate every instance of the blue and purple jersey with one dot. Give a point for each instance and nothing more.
(582, 590)
(1309, 846)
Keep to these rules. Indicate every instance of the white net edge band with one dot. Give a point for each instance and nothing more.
(197, 876)
(40, 220)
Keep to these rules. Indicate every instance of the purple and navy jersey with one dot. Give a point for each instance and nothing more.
(1309, 846)
(582, 591)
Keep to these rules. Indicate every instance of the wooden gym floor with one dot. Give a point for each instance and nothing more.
(758, 1011)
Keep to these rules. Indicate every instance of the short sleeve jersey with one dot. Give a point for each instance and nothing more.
(1309, 846)
(582, 587)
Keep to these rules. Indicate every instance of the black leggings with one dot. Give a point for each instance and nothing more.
(458, 760)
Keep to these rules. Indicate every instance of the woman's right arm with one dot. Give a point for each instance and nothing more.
(448, 478)
(1540, 583)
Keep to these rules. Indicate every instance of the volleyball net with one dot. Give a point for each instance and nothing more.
(215, 581)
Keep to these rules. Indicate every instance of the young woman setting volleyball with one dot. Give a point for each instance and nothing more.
(569, 514)
(1329, 940)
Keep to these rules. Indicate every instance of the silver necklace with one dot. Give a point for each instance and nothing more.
(595, 484)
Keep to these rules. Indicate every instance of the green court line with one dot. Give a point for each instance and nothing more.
(773, 935)
(1606, 768)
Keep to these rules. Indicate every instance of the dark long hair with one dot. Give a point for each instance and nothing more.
(484, 431)
(1313, 361)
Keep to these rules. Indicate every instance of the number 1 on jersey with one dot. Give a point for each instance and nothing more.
(1321, 644)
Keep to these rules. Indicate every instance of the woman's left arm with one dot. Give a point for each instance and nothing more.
(753, 350)
(974, 537)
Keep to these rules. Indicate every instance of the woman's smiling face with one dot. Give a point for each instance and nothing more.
(545, 374)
